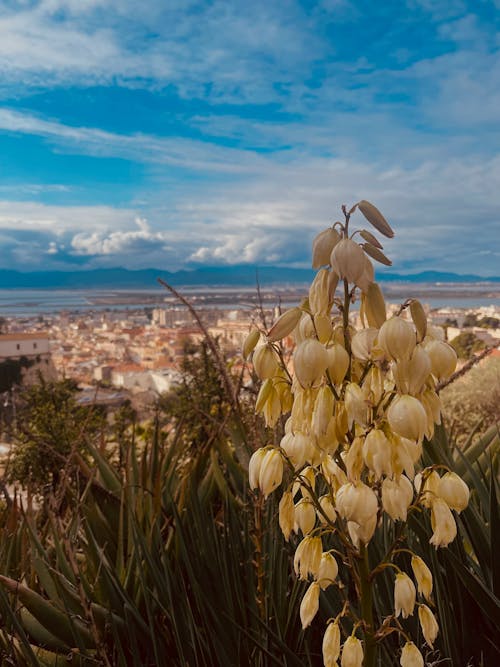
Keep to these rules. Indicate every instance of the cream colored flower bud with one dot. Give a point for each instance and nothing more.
(284, 325)
(354, 460)
(272, 408)
(271, 471)
(310, 361)
(263, 395)
(307, 557)
(347, 260)
(254, 466)
(374, 306)
(423, 576)
(397, 495)
(286, 514)
(309, 605)
(323, 411)
(328, 570)
(355, 405)
(419, 319)
(443, 524)
(404, 595)
(322, 247)
(265, 361)
(319, 293)
(377, 453)
(397, 338)
(329, 512)
(356, 502)
(443, 359)
(338, 363)
(407, 417)
(250, 342)
(305, 516)
(428, 623)
(411, 656)
(454, 491)
(331, 645)
(362, 343)
(352, 653)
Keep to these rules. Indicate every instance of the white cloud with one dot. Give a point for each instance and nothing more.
(116, 243)
(176, 151)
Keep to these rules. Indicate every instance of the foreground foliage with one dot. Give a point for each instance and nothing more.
(169, 555)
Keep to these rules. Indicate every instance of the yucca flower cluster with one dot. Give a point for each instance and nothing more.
(358, 404)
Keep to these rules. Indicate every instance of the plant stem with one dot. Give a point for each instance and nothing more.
(367, 609)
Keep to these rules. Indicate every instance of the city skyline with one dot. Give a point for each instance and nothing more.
(208, 134)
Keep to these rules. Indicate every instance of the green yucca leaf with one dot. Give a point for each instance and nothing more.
(481, 593)
(72, 631)
(39, 633)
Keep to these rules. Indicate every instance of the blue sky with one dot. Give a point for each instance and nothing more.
(181, 133)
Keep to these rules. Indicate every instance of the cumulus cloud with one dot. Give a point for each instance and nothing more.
(116, 243)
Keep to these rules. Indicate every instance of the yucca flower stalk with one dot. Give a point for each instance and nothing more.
(356, 403)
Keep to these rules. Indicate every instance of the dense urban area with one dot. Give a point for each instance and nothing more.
(136, 352)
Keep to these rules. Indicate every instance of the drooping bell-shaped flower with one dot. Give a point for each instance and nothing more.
(352, 653)
(331, 645)
(356, 502)
(328, 510)
(377, 453)
(271, 471)
(286, 514)
(310, 361)
(305, 516)
(338, 363)
(328, 570)
(423, 576)
(428, 623)
(404, 595)
(407, 417)
(347, 260)
(397, 495)
(265, 361)
(254, 466)
(307, 557)
(454, 491)
(397, 338)
(443, 359)
(443, 524)
(323, 411)
(309, 605)
(411, 656)
(323, 245)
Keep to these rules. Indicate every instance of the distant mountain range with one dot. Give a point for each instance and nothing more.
(120, 278)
